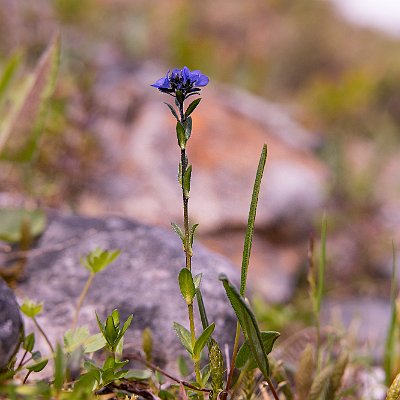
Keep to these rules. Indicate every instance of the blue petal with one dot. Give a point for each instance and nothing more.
(201, 79)
(186, 74)
(162, 83)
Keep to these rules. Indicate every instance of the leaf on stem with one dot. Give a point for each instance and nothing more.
(244, 354)
(37, 366)
(178, 231)
(184, 336)
(172, 109)
(180, 133)
(249, 326)
(99, 259)
(197, 280)
(202, 341)
(192, 106)
(187, 175)
(29, 342)
(31, 309)
(191, 233)
(186, 285)
(188, 128)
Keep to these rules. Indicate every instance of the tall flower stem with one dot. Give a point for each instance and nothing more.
(187, 242)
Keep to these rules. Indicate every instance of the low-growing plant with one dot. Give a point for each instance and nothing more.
(94, 366)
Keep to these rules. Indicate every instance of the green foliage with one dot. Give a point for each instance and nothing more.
(147, 343)
(184, 336)
(99, 259)
(192, 106)
(180, 133)
(250, 223)
(202, 341)
(390, 354)
(30, 308)
(248, 324)
(13, 220)
(245, 359)
(22, 124)
(112, 331)
(186, 285)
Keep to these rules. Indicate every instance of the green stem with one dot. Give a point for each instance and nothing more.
(187, 246)
(233, 360)
(81, 299)
(43, 334)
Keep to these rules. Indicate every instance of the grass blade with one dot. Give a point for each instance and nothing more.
(390, 343)
(250, 223)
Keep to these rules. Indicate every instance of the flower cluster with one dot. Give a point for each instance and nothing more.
(182, 83)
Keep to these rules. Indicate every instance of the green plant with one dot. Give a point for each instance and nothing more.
(181, 84)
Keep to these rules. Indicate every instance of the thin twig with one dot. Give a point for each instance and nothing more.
(139, 358)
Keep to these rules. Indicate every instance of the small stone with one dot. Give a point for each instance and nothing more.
(10, 324)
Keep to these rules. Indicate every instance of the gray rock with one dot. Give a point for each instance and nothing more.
(142, 282)
(10, 324)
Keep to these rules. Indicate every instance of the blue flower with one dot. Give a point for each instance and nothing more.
(182, 80)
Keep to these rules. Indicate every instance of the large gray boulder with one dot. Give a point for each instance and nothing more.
(10, 324)
(142, 282)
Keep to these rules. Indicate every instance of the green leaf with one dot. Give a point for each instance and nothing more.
(182, 366)
(8, 72)
(87, 383)
(111, 331)
(101, 327)
(202, 309)
(192, 106)
(94, 343)
(188, 128)
(115, 317)
(202, 341)
(138, 374)
(172, 109)
(389, 356)
(31, 309)
(322, 264)
(21, 129)
(250, 223)
(248, 324)
(180, 133)
(186, 180)
(29, 342)
(244, 354)
(186, 285)
(98, 259)
(191, 233)
(12, 220)
(147, 343)
(75, 338)
(125, 327)
(197, 280)
(37, 366)
(165, 395)
(180, 174)
(178, 231)
(184, 336)
(59, 368)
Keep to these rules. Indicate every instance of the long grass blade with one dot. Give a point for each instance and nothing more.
(250, 223)
(390, 342)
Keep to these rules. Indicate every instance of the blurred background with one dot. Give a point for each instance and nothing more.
(318, 81)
